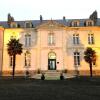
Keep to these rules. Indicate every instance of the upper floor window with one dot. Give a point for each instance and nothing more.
(76, 58)
(28, 24)
(27, 59)
(75, 38)
(90, 38)
(13, 25)
(51, 39)
(89, 23)
(27, 40)
(75, 23)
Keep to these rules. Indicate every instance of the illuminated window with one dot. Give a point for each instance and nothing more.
(90, 38)
(27, 59)
(27, 40)
(51, 39)
(75, 38)
(76, 58)
(11, 61)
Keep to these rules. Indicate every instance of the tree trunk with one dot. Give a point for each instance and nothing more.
(14, 60)
(90, 69)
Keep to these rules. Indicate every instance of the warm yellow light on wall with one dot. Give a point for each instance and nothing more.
(8, 33)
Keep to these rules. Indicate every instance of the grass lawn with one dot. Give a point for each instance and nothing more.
(82, 88)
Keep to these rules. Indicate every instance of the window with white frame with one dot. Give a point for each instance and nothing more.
(27, 59)
(51, 39)
(75, 38)
(27, 40)
(10, 61)
(76, 58)
(90, 38)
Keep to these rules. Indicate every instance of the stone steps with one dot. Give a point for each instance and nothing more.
(52, 75)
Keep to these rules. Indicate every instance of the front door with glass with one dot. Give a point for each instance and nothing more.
(52, 61)
(52, 64)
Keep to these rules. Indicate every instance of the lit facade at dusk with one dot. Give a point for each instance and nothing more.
(51, 45)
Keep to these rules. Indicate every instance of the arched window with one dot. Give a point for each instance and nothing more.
(52, 55)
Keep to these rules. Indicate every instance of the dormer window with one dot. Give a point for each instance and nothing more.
(28, 24)
(89, 23)
(13, 25)
(75, 23)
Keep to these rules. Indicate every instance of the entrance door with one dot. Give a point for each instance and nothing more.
(51, 61)
(52, 64)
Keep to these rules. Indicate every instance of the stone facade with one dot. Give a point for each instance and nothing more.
(51, 45)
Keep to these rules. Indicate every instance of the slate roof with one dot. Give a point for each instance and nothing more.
(35, 23)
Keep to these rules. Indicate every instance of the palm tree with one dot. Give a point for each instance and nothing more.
(14, 48)
(90, 57)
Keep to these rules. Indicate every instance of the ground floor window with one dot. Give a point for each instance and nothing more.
(11, 61)
(76, 58)
(27, 59)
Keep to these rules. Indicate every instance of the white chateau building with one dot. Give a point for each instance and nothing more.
(51, 45)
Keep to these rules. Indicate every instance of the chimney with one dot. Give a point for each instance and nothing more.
(64, 18)
(10, 19)
(41, 19)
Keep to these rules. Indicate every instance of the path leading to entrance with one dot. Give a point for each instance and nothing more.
(52, 75)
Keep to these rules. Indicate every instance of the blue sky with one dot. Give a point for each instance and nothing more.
(55, 9)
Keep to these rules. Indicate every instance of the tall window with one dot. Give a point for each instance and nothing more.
(75, 38)
(76, 58)
(11, 61)
(51, 39)
(27, 40)
(90, 38)
(27, 59)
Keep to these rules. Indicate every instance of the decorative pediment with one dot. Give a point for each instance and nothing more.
(50, 24)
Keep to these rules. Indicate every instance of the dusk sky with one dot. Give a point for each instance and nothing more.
(55, 9)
